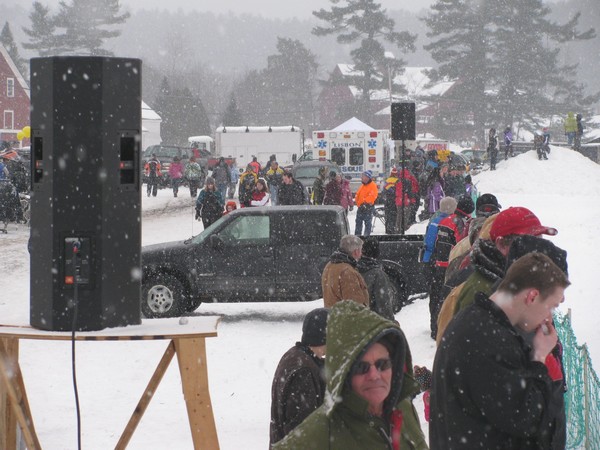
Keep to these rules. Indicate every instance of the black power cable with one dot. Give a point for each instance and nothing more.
(76, 268)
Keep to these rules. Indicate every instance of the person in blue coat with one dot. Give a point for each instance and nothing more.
(447, 207)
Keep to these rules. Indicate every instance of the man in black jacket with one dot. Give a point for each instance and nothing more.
(291, 191)
(299, 382)
(491, 390)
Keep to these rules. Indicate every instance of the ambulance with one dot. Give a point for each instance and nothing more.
(355, 147)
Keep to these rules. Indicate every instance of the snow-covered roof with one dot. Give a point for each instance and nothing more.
(148, 113)
(414, 79)
(15, 70)
(267, 129)
(353, 125)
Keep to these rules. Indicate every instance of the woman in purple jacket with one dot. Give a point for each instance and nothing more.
(435, 189)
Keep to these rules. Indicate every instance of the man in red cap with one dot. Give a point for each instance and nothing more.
(489, 256)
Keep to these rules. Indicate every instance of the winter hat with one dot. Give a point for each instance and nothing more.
(209, 180)
(332, 174)
(368, 173)
(487, 205)
(448, 205)
(314, 327)
(525, 244)
(370, 247)
(518, 220)
(465, 205)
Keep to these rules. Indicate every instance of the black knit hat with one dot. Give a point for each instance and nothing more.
(522, 245)
(487, 205)
(465, 204)
(314, 327)
(370, 247)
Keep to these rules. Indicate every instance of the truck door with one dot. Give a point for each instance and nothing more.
(304, 241)
(243, 263)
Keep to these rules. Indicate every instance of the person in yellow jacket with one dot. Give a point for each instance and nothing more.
(570, 125)
(365, 202)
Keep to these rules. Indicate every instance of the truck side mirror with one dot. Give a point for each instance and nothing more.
(216, 242)
(294, 157)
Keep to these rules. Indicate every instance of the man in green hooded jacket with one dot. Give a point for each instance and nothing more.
(368, 399)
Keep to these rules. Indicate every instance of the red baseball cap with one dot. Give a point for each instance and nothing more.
(518, 220)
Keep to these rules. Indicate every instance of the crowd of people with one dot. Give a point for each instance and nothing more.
(14, 180)
(497, 380)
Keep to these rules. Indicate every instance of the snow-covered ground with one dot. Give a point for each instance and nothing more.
(563, 192)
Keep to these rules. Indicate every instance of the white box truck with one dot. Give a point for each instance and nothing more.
(242, 143)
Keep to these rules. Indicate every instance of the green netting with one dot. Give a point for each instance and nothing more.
(582, 400)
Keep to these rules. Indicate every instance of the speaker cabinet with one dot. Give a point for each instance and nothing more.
(403, 121)
(86, 202)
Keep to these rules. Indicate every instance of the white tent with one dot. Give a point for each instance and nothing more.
(353, 125)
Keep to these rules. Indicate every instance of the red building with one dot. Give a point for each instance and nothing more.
(338, 98)
(14, 99)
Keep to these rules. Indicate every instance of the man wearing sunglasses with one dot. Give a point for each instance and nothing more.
(368, 398)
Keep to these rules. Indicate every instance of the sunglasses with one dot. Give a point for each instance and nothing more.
(363, 367)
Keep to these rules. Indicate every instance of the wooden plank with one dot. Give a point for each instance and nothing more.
(142, 405)
(191, 356)
(12, 380)
(8, 420)
(150, 329)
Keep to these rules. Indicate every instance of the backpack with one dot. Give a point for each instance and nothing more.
(152, 168)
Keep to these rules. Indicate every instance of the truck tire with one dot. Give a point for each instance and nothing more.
(164, 295)
(394, 272)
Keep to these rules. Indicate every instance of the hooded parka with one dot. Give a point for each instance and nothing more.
(343, 422)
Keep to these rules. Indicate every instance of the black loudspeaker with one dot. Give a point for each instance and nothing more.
(403, 121)
(86, 202)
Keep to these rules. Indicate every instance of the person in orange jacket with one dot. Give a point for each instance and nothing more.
(365, 201)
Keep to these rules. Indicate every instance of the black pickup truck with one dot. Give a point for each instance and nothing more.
(262, 254)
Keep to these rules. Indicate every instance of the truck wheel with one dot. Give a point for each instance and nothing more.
(164, 295)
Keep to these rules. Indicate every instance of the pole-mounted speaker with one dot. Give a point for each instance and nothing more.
(403, 121)
(86, 202)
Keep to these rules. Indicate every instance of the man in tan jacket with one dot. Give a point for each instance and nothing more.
(341, 280)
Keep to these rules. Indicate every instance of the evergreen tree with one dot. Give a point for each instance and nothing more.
(532, 82)
(80, 27)
(365, 21)
(165, 109)
(8, 41)
(291, 84)
(499, 50)
(42, 32)
(232, 117)
(182, 114)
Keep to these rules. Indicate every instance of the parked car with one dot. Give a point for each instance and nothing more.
(475, 157)
(263, 254)
(306, 172)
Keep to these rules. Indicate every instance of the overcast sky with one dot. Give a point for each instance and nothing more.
(267, 8)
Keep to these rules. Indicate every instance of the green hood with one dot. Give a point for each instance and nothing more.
(351, 328)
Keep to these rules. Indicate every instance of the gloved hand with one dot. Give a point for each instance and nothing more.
(423, 377)
(198, 214)
(351, 208)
